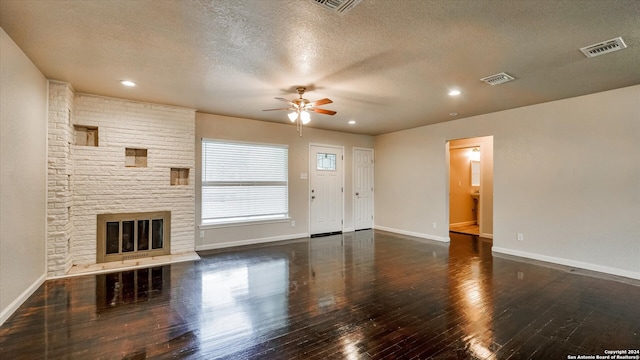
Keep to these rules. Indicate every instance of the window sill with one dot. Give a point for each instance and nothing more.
(243, 223)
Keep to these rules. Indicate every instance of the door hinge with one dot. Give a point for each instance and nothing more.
(342, 189)
(342, 222)
(342, 156)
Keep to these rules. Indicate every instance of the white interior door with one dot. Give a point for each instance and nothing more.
(363, 188)
(326, 189)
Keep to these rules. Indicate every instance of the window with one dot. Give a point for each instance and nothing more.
(326, 162)
(244, 182)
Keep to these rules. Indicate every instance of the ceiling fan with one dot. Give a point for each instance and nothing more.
(301, 107)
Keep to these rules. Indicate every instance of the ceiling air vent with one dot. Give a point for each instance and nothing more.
(497, 79)
(604, 47)
(339, 6)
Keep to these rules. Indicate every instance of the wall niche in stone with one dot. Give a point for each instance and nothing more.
(86, 135)
(135, 157)
(179, 176)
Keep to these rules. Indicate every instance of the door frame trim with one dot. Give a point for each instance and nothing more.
(311, 145)
(353, 184)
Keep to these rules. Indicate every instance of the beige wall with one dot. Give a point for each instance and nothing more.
(566, 176)
(23, 153)
(230, 128)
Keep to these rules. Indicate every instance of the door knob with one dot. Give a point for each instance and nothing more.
(313, 197)
(357, 193)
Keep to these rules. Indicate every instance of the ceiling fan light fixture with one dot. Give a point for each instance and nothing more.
(300, 108)
(305, 117)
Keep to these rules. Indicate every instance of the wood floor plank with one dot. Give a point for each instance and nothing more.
(364, 295)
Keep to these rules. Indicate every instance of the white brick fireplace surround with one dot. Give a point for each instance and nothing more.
(91, 171)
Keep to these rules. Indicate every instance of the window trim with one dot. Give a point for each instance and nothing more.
(219, 225)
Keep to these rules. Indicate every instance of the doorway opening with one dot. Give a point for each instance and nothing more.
(470, 183)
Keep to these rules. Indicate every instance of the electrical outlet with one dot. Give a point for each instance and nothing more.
(435, 225)
(293, 223)
(520, 237)
(201, 234)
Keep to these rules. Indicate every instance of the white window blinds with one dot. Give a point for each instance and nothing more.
(243, 182)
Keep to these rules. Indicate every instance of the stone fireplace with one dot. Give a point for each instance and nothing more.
(119, 170)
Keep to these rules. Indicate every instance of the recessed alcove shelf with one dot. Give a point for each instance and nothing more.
(179, 176)
(86, 135)
(135, 157)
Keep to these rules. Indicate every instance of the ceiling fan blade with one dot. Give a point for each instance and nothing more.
(323, 111)
(321, 102)
(278, 109)
(283, 99)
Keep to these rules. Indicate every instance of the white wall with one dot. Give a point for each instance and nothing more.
(102, 184)
(566, 176)
(223, 127)
(23, 176)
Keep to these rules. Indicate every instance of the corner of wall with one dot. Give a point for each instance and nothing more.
(59, 183)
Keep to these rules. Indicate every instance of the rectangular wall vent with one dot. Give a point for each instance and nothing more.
(339, 6)
(604, 47)
(497, 79)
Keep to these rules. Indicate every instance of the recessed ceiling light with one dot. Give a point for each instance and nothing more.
(128, 83)
(453, 114)
(352, 122)
(454, 92)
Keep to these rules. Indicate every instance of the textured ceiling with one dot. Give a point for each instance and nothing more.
(388, 64)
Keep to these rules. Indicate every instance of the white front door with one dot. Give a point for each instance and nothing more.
(326, 189)
(363, 188)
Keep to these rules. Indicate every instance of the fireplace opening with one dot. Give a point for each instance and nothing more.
(128, 236)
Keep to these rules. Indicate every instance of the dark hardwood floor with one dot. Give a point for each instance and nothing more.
(362, 295)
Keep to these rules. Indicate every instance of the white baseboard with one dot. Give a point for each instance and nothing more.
(414, 234)
(15, 304)
(486, 235)
(250, 242)
(346, 230)
(567, 262)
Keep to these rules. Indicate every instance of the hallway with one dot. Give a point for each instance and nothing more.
(369, 294)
